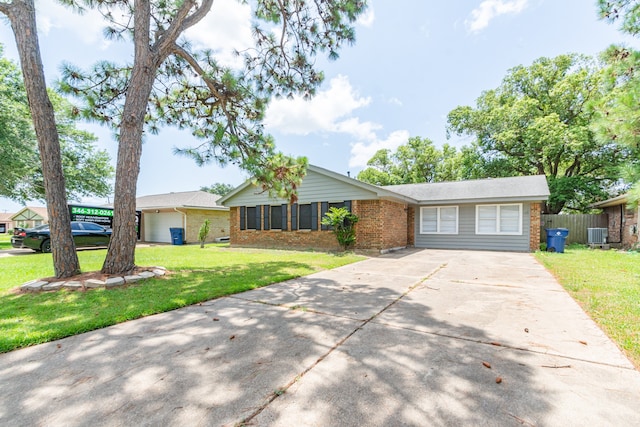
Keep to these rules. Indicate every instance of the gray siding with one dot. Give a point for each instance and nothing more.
(314, 188)
(467, 237)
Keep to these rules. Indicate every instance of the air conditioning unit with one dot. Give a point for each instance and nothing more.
(597, 236)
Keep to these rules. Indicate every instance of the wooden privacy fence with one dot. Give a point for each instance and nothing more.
(577, 225)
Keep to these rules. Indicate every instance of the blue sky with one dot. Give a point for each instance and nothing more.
(412, 63)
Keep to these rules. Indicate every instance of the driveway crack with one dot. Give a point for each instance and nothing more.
(282, 390)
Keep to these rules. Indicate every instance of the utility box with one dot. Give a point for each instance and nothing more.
(597, 236)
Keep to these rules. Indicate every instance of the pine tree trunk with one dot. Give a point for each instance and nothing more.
(23, 22)
(121, 253)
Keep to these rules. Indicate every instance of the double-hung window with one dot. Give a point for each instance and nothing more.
(439, 220)
(499, 219)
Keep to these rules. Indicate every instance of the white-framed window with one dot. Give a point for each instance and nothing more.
(499, 219)
(439, 220)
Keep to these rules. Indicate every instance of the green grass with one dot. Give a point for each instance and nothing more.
(5, 241)
(607, 286)
(196, 275)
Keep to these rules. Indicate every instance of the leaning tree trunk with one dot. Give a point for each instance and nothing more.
(23, 22)
(121, 253)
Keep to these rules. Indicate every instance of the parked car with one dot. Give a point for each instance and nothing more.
(85, 234)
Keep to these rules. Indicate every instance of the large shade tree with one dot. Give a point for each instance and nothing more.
(22, 17)
(87, 170)
(419, 160)
(538, 121)
(619, 110)
(170, 82)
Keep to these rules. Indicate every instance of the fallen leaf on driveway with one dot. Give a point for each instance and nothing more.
(582, 342)
(232, 337)
(486, 365)
(498, 380)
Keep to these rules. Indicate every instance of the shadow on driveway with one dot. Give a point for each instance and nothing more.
(364, 344)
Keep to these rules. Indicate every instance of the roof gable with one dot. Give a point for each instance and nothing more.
(31, 214)
(318, 185)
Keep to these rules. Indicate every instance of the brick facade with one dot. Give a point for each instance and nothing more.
(623, 226)
(195, 218)
(382, 225)
(534, 226)
(411, 220)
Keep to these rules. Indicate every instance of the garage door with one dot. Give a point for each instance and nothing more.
(157, 225)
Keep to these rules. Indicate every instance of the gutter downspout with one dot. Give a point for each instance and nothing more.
(184, 222)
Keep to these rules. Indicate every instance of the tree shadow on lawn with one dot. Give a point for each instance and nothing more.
(31, 318)
(265, 359)
(309, 351)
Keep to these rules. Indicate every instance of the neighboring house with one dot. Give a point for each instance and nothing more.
(493, 214)
(6, 224)
(30, 217)
(622, 221)
(186, 210)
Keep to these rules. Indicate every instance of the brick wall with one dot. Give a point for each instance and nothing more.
(195, 218)
(534, 226)
(411, 228)
(382, 225)
(623, 226)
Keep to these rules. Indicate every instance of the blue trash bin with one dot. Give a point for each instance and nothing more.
(556, 238)
(177, 236)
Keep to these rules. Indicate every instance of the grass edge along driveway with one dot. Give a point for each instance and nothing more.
(196, 275)
(606, 284)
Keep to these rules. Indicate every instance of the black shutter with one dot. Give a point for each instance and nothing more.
(294, 216)
(258, 222)
(324, 208)
(314, 216)
(284, 217)
(243, 222)
(266, 213)
(347, 204)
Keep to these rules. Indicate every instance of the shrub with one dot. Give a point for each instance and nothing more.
(342, 223)
(204, 232)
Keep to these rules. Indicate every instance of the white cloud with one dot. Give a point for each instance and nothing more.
(489, 9)
(87, 27)
(395, 101)
(362, 152)
(322, 113)
(367, 18)
(225, 28)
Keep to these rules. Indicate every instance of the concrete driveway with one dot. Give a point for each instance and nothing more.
(411, 338)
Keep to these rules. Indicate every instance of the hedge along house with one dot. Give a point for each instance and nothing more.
(507, 211)
(186, 210)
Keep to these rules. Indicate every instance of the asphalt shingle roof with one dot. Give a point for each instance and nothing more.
(186, 199)
(495, 189)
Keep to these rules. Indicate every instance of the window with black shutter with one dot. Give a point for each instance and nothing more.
(304, 217)
(251, 218)
(276, 217)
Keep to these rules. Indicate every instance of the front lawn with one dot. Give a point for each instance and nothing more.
(5, 240)
(607, 286)
(197, 275)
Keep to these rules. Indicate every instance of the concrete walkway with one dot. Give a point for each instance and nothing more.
(411, 338)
